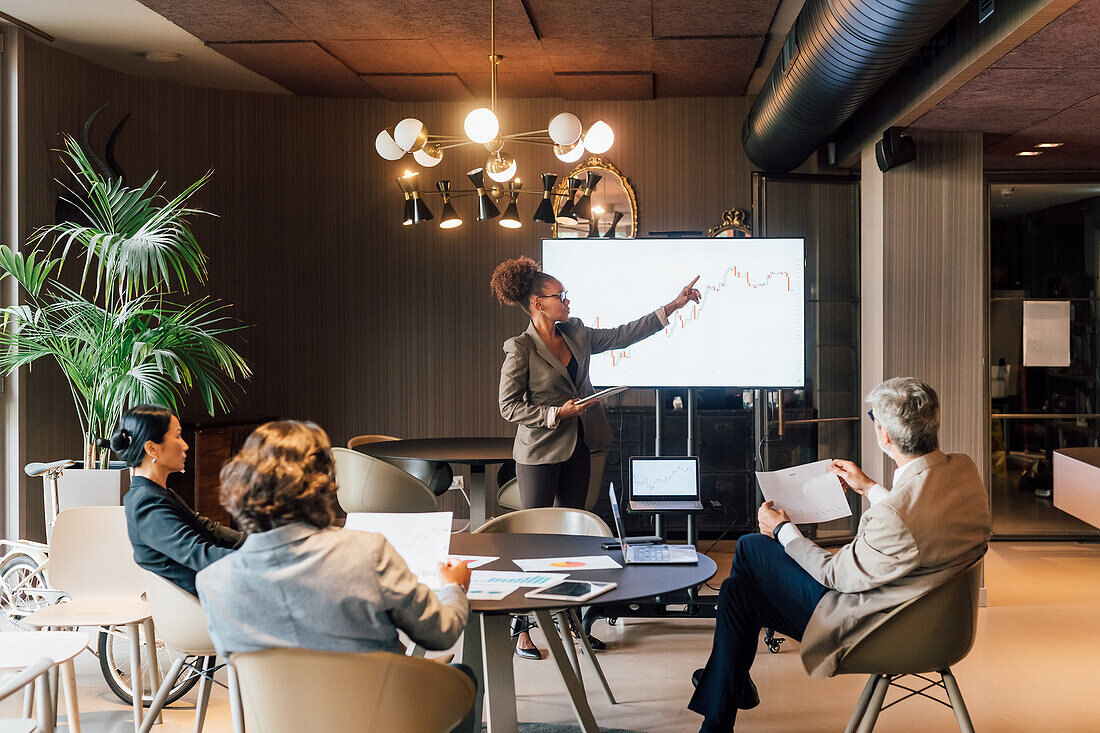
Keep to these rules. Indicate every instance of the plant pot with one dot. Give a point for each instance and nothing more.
(79, 487)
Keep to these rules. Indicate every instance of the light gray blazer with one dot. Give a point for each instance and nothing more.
(328, 589)
(532, 380)
(934, 524)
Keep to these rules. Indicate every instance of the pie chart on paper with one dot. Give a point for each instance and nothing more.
(573, 562)
(568, 564)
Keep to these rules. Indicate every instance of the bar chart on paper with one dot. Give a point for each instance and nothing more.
(748, 330)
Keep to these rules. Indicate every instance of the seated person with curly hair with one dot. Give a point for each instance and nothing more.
(298, 581)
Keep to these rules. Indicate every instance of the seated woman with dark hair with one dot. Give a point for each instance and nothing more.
(168, 537)
(298, 581)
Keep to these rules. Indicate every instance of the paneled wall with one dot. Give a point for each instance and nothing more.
(355, 321)
(927, 271)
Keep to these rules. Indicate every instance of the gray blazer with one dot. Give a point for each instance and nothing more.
(328, 589)
(934, 524)
(532, 380)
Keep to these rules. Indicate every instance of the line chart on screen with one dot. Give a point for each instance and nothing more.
(748, 330)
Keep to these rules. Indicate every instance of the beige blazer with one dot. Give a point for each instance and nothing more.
(934, 524)
(532, 380)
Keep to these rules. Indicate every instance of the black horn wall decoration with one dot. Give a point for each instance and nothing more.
(107, 166)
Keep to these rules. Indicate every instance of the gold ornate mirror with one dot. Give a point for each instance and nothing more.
(733, 225)
(614, 210)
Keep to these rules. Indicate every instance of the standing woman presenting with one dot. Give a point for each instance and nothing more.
(545, 373)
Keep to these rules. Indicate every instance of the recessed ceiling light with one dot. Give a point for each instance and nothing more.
(160, 57)
(1026, 153)
(1050, 145)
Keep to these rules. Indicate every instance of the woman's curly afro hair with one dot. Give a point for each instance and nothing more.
(514, 281)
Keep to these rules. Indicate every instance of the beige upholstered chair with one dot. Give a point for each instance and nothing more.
(548, 520)
(558, 520)
(927, 634)
(368, 484)
(436, 475)
(377, 692)
(181, 624)
(508, 494)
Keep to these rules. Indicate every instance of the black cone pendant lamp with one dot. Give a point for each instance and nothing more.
(610, 233)
(545, 212)
(583, 208)
(486, 209)
(565, 214)
(450, 218)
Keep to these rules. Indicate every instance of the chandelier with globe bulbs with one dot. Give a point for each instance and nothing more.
(564, 133)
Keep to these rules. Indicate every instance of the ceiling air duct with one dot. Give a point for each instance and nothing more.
(837, 54)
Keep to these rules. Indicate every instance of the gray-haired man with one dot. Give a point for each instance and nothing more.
(933, 524)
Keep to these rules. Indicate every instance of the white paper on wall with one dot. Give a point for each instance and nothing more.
(1046, 333)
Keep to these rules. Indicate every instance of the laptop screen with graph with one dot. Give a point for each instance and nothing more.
(656, 479)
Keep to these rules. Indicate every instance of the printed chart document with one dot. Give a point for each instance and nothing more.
(474, 561)
(808, 493)
(493, 585)
(423, 540)
(552, 564)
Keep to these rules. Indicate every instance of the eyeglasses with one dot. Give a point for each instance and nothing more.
(871, 414)
(562, 296)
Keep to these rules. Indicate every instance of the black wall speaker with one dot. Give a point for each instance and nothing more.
(894, 149)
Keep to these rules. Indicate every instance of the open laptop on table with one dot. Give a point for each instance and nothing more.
(664, 484)
(649, 554)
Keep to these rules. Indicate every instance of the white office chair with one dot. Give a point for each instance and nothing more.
(367, 484)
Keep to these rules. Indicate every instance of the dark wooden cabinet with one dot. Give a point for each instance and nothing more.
(211, 444)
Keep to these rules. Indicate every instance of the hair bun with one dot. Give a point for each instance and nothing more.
(121, 440)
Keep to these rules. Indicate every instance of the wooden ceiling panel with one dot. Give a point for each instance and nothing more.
(326, 20)
(389, 57)
(713, 18)
(444, 21)
(302, 67)
(632, 85)
(472, 55)
(520, 84)
(955, 118)
(1069, 42)
(234, 20)
(419, 87)
(593, 21)
(610, 54)
(703, 67)
(997, 89)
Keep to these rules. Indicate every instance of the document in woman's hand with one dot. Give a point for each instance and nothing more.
(808, 493)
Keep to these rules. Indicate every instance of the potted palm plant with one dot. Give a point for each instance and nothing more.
(120, 337)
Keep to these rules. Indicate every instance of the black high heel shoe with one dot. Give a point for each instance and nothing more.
(520, 625)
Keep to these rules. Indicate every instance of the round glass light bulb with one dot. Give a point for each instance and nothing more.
(409, 134)
(501, 167)
(481, 125)
(599, 138)
(569, 153)
(386, 146)
(564, 128)
(428, 156)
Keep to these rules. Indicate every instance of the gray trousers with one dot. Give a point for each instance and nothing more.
(557, 484)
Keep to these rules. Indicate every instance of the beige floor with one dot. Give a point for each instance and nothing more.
(1035, 667)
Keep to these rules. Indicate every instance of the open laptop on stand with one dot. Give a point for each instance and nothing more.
(664, 484)
(648, 554)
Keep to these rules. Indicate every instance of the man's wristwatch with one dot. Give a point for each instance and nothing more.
(775, 531)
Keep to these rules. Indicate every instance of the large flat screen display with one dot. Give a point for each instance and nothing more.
(748, 330)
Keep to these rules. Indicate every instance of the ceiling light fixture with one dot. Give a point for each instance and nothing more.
(1050, 145)
(564, 134)
(1028, 153)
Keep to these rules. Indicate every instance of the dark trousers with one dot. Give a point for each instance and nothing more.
(766, 588)
(467, 724)
(557, 484)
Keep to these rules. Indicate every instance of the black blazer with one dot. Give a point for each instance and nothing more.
(169, 538)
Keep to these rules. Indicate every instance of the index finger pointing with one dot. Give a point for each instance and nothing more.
(692, 283)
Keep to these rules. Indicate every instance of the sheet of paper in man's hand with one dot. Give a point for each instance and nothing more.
(808, 493)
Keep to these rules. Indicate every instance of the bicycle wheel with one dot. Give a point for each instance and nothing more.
(21, 572)
(114, 662)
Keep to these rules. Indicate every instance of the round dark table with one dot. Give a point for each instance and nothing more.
(477, 453)
(488, 646)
